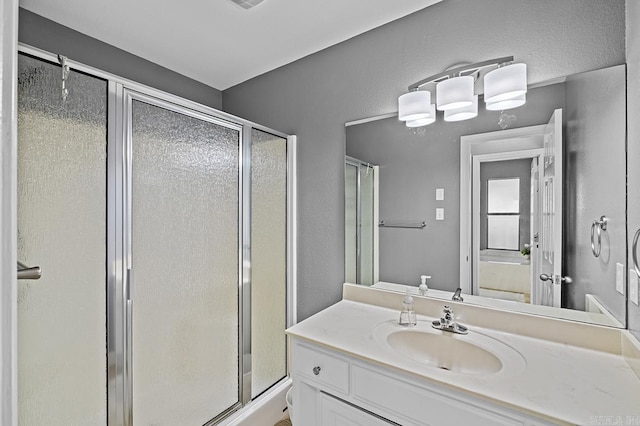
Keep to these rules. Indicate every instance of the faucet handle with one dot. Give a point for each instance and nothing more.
(447, 318)
(447, 323)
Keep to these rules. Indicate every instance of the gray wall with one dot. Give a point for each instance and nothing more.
(413, 163)
(520, 169)
(364, 76)
(633, 140)
(595, 141)
(48, 35)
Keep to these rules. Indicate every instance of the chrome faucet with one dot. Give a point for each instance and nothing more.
(456, 296)
(447, 323)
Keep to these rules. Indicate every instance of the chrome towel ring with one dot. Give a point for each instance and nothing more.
(596, 229)
(634, 252)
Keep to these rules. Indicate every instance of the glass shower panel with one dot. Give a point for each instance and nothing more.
(360, 223)
(268, 259)
(62, 208)
(366, 224)
(351, 223)
(185, 211)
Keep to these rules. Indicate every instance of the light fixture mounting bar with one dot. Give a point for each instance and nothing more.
(462, 69)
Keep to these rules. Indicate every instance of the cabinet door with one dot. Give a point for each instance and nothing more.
(334, 412)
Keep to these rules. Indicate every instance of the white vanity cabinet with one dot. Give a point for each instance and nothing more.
(331, 388)
(334, 412)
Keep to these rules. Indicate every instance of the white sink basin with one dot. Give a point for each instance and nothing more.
(473, 353)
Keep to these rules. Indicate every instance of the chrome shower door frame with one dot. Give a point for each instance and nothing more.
(9, 215)
(120, 276)
(127, 96)
(357, 164)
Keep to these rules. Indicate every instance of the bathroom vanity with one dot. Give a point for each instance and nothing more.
(346, 388)
(353, 364)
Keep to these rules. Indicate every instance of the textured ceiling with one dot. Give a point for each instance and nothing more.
(217, 42)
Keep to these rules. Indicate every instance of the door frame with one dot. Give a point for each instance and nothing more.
(8, 214)
(475, 208)
(523, 138)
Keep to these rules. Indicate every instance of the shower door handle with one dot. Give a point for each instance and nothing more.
(28, 273)
(129, 311)
(128, 337)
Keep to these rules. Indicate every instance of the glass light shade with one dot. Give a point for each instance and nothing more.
(507, 104)
(454, 93)
(464, 113)
(414, 105)
(504, 83)
(424, 121)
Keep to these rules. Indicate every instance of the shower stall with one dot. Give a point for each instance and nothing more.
(361, 221)
(162, 229)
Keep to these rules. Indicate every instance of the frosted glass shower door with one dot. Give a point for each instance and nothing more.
(268, 259)
(62, 205)
(185, 259)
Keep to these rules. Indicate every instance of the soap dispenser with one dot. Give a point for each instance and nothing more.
(407, 315)
(423, 285)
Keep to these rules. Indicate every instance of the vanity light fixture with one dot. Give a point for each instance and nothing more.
(454, 93)
(505, 82)
(247, 4)
(424, 121)
(505, 87)
(507, 104)
(414, 106)
(464, 113)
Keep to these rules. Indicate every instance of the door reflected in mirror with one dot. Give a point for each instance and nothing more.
(496, 247)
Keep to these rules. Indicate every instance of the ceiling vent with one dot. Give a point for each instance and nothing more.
(247, 4)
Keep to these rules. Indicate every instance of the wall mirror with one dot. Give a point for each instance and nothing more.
(470, 204)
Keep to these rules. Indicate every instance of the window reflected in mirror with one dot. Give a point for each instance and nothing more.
(503, 214)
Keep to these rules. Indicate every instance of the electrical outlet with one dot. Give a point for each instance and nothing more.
(633, 286)
(620, 278)
(440, 213)
(439, 194)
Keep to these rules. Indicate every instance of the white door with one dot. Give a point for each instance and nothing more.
(550, 279)
(534, 230)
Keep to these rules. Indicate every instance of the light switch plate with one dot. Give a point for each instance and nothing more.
(439, 194)
(440, 213)
(633, 286)
(620, 278)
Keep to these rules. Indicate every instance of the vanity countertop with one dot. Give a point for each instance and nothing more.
(559, 382)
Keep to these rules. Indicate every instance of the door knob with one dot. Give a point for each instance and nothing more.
(566, 280)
